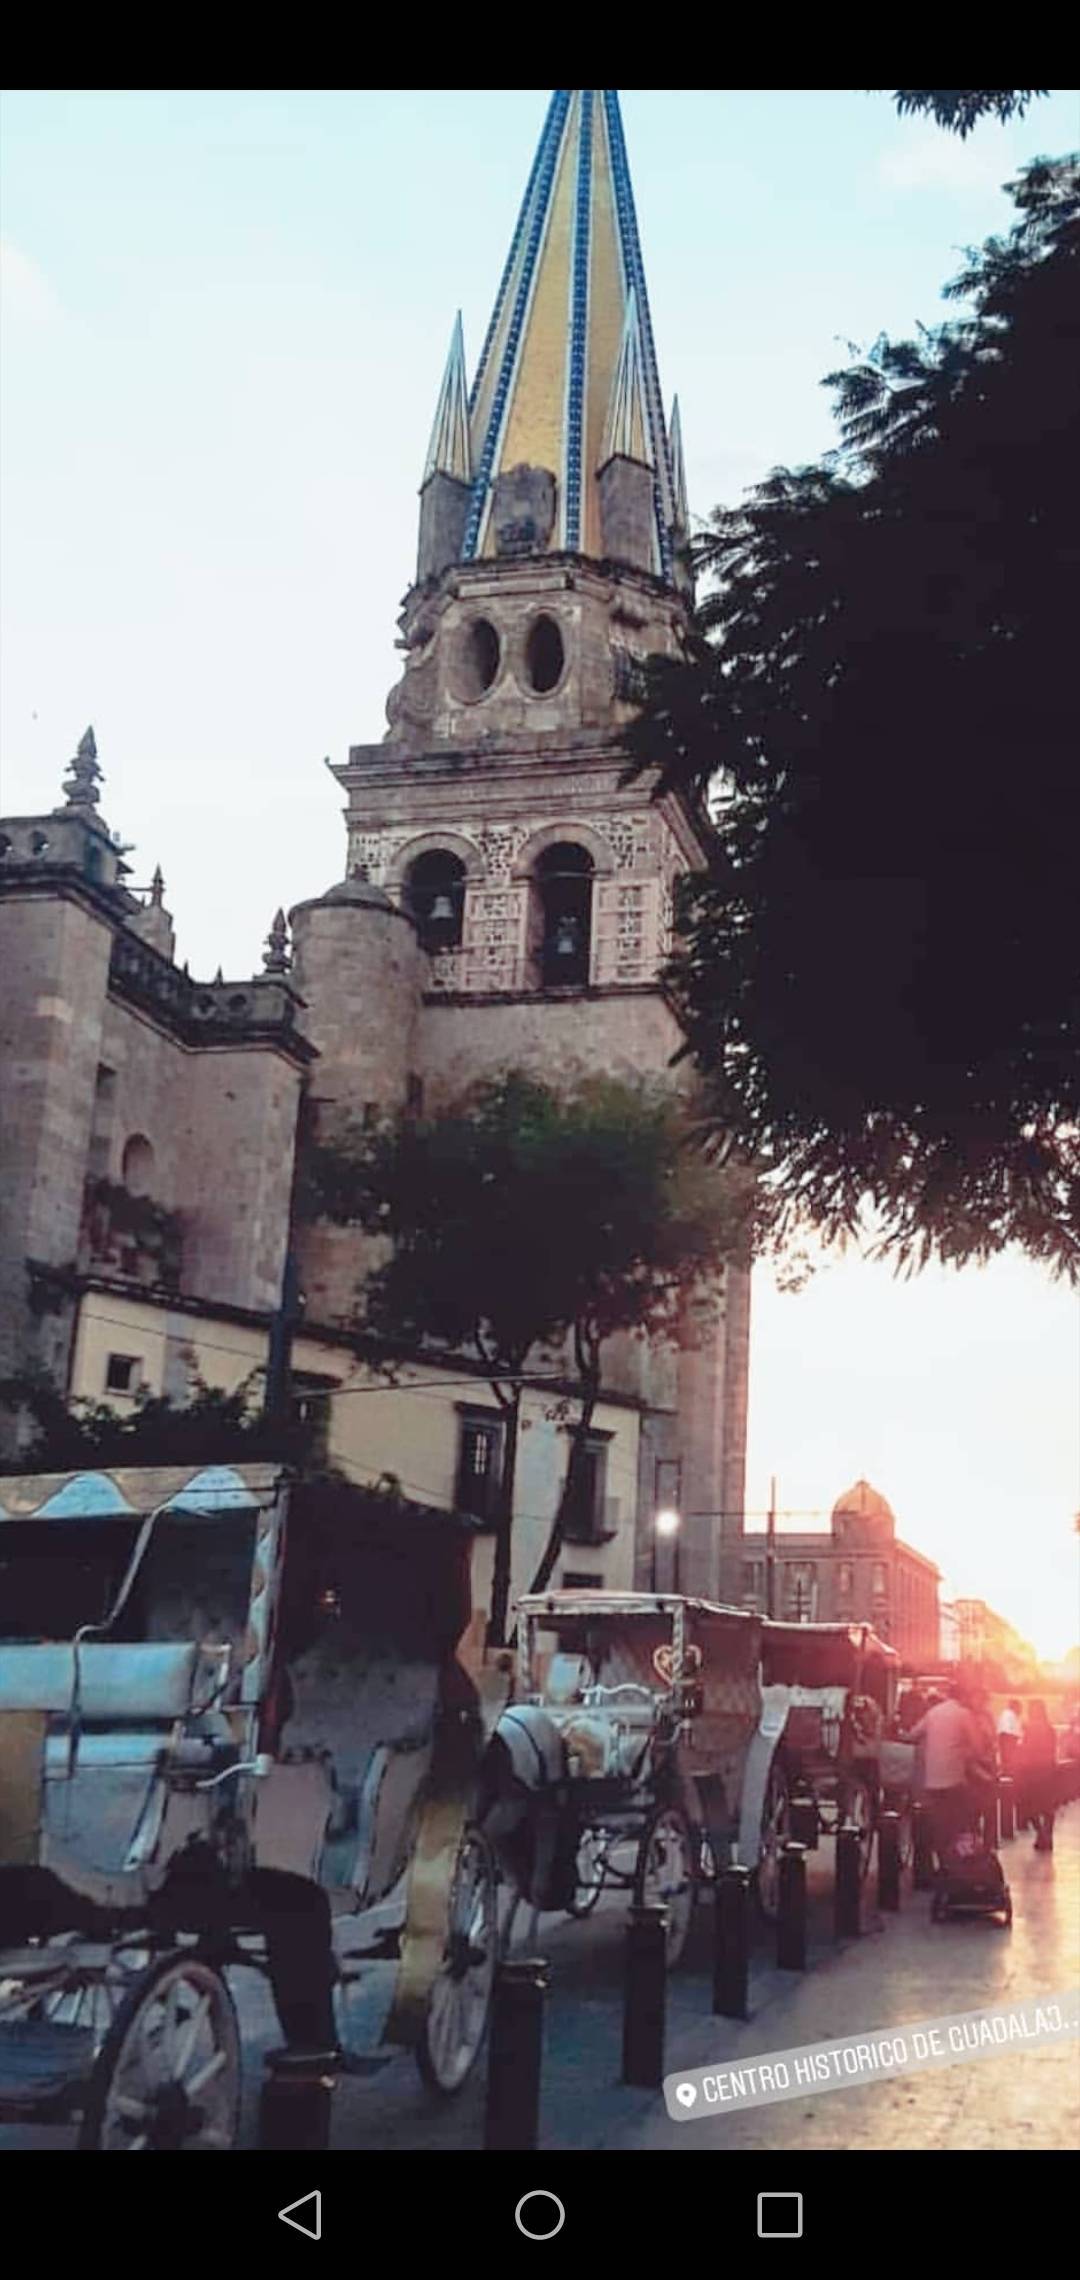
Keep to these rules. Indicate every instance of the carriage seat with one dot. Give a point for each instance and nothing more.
(567, 1678)
(158, 1680)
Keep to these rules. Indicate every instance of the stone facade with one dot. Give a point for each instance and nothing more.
(131, 1100)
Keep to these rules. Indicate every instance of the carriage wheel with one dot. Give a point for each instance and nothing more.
(167, 2077)
(859, 1814)
(460, 2000)
(774, 1830)
(590, 1871)
(666, 1874)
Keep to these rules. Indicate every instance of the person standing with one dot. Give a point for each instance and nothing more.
(949, 1744)
(1038, 1758)
(1010, 1728)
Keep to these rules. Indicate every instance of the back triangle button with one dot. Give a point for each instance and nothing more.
(311, 2223)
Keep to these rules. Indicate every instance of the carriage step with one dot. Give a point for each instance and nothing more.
(43, 2063)
(386, 1948)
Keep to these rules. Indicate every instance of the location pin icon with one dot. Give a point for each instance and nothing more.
(686, 2094)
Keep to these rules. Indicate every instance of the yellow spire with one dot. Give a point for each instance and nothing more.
(569, 349)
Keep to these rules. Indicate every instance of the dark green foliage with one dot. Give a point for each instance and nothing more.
(961, 108)
(526, 1227)
(881, 977)
(212, 1428)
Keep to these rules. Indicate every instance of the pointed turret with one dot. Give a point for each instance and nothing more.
(625, 475)
(571, 309)
(84, 775)
(680, 519)
(446, 488)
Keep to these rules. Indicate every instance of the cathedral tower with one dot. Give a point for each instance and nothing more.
(552, 534)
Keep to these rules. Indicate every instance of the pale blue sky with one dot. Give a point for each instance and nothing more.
(225, 317)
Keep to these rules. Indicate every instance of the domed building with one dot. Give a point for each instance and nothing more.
(857, 1571)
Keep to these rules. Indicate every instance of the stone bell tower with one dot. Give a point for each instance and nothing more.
(551, 563)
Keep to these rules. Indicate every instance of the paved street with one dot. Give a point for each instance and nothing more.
(902, 1971)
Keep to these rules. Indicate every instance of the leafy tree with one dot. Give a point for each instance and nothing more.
(526, 1229)
(961, 108)
(880, 976)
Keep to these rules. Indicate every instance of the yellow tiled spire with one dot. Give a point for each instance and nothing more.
(569, 349)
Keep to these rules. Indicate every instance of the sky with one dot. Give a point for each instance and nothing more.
(223, 323)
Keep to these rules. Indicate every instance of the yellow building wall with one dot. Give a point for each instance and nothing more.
(410, 1429)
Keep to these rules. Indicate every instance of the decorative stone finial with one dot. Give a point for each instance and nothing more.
(84, 775)
(219, 976)
(276, 958)
(157, 889)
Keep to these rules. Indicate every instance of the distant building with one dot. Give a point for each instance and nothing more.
(857, 1571)
(984, 1636)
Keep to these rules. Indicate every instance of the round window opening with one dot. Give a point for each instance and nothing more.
(544, 656)
(479, 658)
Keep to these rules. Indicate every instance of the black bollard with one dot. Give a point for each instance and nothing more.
(888, 1861)
(1007, 1801)
(791, 1914)
(295, 2101)
(990, 1816)
(644, 1997)
(731, 1944)
(923, 1877)
(803, 1822)
(515, 2051)
(847, 1896)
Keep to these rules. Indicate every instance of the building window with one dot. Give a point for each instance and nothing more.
(563, 879)
(479, 1470)
(137, 1164)
(845, 1580)
(800, 1591)
(545, 656)
(753, 1579)
(435, 898)
(120, 1372)
(880, 1580)
(585, 1522)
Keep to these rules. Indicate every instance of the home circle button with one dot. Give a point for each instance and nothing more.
(539, 2215)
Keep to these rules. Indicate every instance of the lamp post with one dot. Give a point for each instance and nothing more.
(666, 1527)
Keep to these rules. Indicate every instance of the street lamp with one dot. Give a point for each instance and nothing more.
(666, 1526)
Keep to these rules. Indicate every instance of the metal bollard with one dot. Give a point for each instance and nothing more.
(515, 2051)
(791, 1914)
(888, 1861)
(990, 1817)
(1007, 1801)
(803, 1822)
(644, 1997)
(295, 2101)
(731, 1944)
(923, 1877)
(847, 1896)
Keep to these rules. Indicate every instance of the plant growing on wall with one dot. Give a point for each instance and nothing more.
(115, 1217)
(525, 1229)
(211, 1427)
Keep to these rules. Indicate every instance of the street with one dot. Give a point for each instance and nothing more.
(901, 1972)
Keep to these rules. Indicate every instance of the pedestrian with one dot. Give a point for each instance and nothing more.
(1010, 1727)
(1038, 1759)
(949, 1746)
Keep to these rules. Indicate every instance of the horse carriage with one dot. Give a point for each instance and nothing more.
(619, 1764)
(828, 1751)
(231, 1714)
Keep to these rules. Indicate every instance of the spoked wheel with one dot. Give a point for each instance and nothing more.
(859, 1814)
(666, 1873)
(460, 2000)
(774, 1830)
(92, 1999)
(167, 2076)
(590, 1870)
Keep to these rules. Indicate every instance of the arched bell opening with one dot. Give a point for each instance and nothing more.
(563, 883)
(435, 898)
